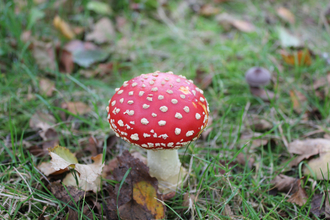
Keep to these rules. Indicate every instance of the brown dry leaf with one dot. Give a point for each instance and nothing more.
(285, 14)
(209, 10)
(44, 55)
(133, 210)
(61, 193)
(63, 27)
(103, 31)
(130, 195)
(298, 100)
(145, 195)
(189, 200)
(76, 108)
(242, 159)
(317, 205)
(258, 123)
(62, 158)
(47, 86)
(300, 197)
(299, 57)
(285, 183)
(308, 148)
(203, 78)
(320, 167)
(244, 26)
(255, 143)
(41, 120)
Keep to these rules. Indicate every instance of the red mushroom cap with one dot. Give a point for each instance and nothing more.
(158, 111)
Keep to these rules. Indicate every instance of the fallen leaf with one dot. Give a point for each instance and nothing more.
(209, 10)
(319, 166)
(99, 7)
(41, 120)
(70, 196)
(74, 46)
(103, 31)
(145, 194)
(285, 14)
(251, 138)
(63, 27)
(244, 26)
(287, 39)
(308, 148)
(298, 100)
(317, 205)
(132, 196)
(189, 200)
(86, 58)
(203, 78)
(299, 57)
(47, 169)
(132, 210)
(76, 108)
(300, 197)
(89, 177)
(47, 86)
(44, 55)
(285, 183)
(258, 123)
(242, 159)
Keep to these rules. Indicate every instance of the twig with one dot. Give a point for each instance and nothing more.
(24, 198)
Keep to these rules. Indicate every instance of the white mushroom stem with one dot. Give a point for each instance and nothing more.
(166, 167)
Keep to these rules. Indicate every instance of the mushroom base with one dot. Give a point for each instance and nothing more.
(166, 167)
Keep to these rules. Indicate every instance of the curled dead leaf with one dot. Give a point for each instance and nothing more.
(285, 14)
(47, 86)
(63, 27)
(103, 31)
(76, 108)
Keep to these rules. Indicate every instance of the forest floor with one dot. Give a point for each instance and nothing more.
(262, 156)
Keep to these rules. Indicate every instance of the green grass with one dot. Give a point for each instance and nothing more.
(183, 46)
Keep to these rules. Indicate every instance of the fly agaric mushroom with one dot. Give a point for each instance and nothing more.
(257, 78)
(159, 112)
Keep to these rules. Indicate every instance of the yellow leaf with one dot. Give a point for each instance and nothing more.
(63, 27)
(62, 158)
(145, 194)
(300, 57)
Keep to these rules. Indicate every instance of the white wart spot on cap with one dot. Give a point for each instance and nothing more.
(130, 102)
(178, 80)
(135, 137)
(131, 93)
(174, 101)
(151, 82)
(134, 84)
(121, 123)
(116, 89)
(143, 85)
(198, 116)
(154, 114)
(141, 93)
(178, 115)
(121, 100)
(145, 106)
(163, 108)
(166, 78)
(144, 145)
(160, 97)
(182, 96)
(163, 82)
(132, 122)
(169, 91)
(154, 89)
(149, 99)
(151, 145)
(170, 144)
(162, 123)
(120, 92)
(194, 92)
(189, 133)
(202, 99)
(125, 84)
(186, 109)
(177, 131)
(146, 135)
(107, 108)
(144, 121)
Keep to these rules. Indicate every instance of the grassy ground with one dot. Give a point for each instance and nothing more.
(185, 44)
